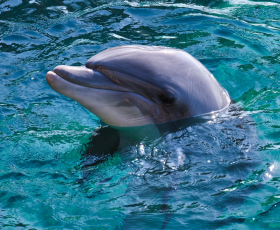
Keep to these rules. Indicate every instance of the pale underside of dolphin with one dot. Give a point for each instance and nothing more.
(138, 85)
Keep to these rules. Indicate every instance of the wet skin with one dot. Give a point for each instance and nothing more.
(130, 86)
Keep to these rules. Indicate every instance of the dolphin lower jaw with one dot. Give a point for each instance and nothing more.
(104, 103)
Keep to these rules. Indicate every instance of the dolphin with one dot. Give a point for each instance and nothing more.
(130, 86)
(135, 86)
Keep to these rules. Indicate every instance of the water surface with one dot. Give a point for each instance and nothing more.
(229, 177)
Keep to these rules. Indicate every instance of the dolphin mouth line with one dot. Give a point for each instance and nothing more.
(90, 84)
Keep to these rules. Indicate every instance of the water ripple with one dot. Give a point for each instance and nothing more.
(218, 175)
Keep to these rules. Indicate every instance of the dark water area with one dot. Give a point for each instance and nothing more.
(219, 174)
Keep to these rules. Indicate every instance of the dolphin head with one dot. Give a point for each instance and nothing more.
(138, 85)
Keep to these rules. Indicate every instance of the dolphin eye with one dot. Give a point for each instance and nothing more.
(166, 99)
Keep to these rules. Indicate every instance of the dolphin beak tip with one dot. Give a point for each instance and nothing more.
(50, 77)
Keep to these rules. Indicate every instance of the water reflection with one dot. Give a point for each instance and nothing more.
(199, 172)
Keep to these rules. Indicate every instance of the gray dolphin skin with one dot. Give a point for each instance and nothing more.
(138, 85)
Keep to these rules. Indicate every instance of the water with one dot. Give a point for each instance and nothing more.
(228, 172)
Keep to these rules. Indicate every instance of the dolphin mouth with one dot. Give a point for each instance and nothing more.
(82, 76)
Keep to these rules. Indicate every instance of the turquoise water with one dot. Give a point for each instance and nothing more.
(230, 176)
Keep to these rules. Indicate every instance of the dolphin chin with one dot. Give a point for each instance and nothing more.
(138, 85)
